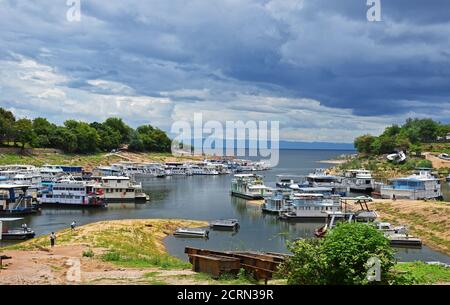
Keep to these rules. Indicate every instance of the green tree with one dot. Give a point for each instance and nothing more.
(123, 129)
(383, 145)
(364, 143)
(109, 137)
(43, 130)
(7, 120)
(23, 130)
(87, 137)
(136, 143)
(153, 139)
(64, 139)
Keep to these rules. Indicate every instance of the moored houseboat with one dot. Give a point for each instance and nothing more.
(277, 201)
(118, 189)
(71, 193)
(248, 186)
(359, 180)
(15, 200)
(311, 207)
(421, 185)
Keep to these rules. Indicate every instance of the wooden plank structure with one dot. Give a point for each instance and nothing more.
(3, 257)
(260, 265)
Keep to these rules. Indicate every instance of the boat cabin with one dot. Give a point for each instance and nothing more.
(15, 200)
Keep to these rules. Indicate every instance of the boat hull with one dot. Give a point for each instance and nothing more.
(18, 236)
(73, 205)
(247, 196)
(14, 213)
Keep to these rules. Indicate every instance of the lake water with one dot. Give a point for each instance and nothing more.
(208, 198)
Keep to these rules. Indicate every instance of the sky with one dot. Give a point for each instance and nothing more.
(318, 67)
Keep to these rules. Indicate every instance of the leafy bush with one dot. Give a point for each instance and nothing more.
(340, 258)
(88, 253)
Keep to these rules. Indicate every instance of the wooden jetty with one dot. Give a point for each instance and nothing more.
(260, 265)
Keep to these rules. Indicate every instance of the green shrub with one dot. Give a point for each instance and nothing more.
(88, 253)
(340, 258)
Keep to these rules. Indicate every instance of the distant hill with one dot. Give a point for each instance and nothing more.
(304, 145)
(316, 145)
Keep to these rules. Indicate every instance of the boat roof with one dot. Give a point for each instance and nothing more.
(115, 178)
(8, 186)
(316, 189)
(10, 219)
(246, 175)
(257, 187)
(308, 195)
(415, 178)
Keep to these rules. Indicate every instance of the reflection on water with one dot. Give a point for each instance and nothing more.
(208, 198)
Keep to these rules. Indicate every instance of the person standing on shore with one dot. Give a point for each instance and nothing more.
(52, 239)
(73, 224)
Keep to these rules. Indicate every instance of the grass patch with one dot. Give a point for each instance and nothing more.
(423, 273)
(127, 243)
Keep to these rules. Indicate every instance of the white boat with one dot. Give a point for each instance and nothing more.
(277, 202)
(311, 206)
(202, 169)
(191, 232)
(72, 193)
(286, 181)
(8, 233)
(177, 168)
(15, 200)
(31, 179)
(444, 156)
(418, 186)
(224, 224)
(359, 180)
(118, 189)
(398, 157)
(50, 174)
(248, 186)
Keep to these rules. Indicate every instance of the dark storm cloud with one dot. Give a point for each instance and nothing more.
(314, 49)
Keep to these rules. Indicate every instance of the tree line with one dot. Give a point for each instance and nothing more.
(407, 137)
(80, 137)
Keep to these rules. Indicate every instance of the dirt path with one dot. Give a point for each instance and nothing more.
(436, 161)
(66, 265)
(78, 257)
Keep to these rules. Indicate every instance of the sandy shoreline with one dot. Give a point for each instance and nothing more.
(34, 262)
(332, 161)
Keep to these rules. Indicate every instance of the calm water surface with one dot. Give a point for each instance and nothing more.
(208, 198)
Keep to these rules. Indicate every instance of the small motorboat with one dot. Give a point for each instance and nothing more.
(398, 157)
(320, 232)
(444, 156)
(224, 224)
(14, 234)
(191, 232)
